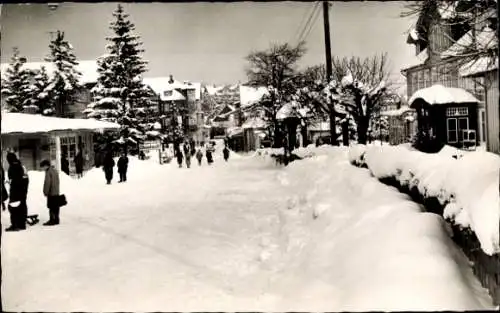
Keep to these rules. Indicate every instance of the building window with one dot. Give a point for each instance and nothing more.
(434, 75)
(420, 80)
(457, 111)
(482, 125)
(427, 78)
(167, 93)
(455, 128)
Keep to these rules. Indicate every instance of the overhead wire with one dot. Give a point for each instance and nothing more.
(307, 12)
(311, 25)
(308, 23)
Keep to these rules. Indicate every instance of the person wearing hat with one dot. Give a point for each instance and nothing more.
(51, 191)
(19, 181)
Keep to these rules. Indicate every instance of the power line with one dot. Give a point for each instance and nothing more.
(307, 12)
(315, 10)
(311, 25)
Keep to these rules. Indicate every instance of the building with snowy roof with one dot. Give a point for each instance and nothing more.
(35, 138)
(180, 103)
(441, 49)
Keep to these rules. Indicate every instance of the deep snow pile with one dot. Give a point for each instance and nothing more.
(467, 185)
(372, 245)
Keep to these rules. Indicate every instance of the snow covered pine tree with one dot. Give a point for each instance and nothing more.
(120, 94)
(40, 99)
(64, 82)
(16, 84)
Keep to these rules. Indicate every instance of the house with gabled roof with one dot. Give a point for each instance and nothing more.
(442, 46)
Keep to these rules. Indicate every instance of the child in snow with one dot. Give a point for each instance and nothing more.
(199, 156)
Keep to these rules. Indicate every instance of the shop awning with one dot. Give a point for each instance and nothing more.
(21, 123)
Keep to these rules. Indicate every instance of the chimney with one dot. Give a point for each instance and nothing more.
(171, 80)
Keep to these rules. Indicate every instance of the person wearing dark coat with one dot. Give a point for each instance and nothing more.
(178, 155)
(225, 152)
(5, 194)
(19, 182)
(51, 187)
(187, 154)
(199, 156)
(108, 166)
(192, 146)
(208, 154)
(123, 167)
(65, 164)
(79, 164)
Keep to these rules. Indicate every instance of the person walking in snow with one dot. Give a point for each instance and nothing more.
(123, 167)
(208, 154)
(178, 155)
(65, 164)
(107, 166)
(19, 182)
(225, 153)
(199, 156)
(51, 191)
(79, 164)
(187, 154)
(5, 194)
(192, 146)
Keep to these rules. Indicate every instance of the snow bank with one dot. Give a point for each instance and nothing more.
(467, 184)
(370, 246)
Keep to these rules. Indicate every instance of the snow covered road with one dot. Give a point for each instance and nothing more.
(239, 236)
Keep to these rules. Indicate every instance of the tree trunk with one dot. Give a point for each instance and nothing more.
(345, 133)
(292, 134)
(333, 129)
(303, 132)
(362, 129)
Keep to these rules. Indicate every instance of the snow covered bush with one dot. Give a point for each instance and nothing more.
(467, 186)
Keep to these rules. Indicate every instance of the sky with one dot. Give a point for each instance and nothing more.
(208, 42)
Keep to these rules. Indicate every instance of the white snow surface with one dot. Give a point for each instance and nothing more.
(319, 235)
(468, 184)
(439, 94)
(34, 123)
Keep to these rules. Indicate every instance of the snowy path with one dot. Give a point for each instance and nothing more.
(217, 239)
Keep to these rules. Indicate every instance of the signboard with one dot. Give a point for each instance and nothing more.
(179, 120)
(150, 145)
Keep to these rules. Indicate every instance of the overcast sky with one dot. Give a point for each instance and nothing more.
(208, 41)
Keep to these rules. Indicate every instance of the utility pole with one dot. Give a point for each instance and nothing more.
(328, 53)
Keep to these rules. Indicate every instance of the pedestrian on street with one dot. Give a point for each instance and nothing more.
(79, 164)
(192, 146)
(5, 194)
(208, 154)
(178, 155)
(225, 152)
(19, 182)
(65, 164)
(199, 156)
(187, 154)
(108, 166)
(123, 167)
(51, 191)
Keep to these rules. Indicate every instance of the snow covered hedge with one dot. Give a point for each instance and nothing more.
(468, 186)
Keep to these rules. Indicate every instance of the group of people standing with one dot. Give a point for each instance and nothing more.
(189, 150)
(18, 180)
(109, 164)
